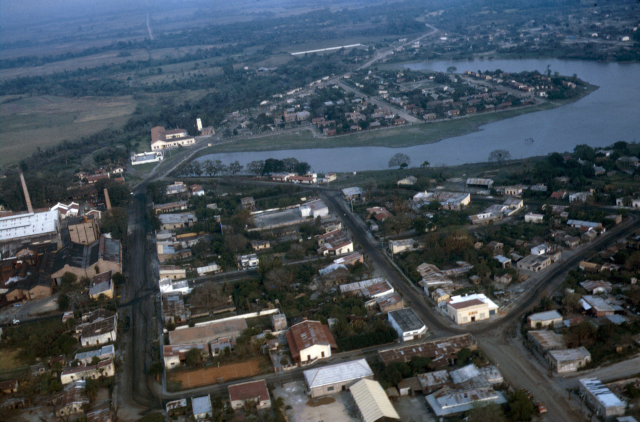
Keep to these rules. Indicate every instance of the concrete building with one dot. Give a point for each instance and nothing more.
(211, 268)
(601, 399)
(544, 319)
(164, 139)
(545, 340)
(535, 263)
(174, 355)
(35, 226)
(352, 193)
(102, 284)
(71, 400)
(447, 402)
(533, 218)
(205, 333)
(177, 221)
(432, 381)
(170, 207)
(201, 407)
(568, 360)
(336, 378)
(176, 188)
(254, 392)
(278, 322)
(146, 157)
(442, 351)
(596, 286)
(407, 324)
(172, 271)
(66, 211)
(334, 243)
(372, 288)
(400, 246)
(310, 340)
(389, 302)
(596, 306)
(372, 402)
(314, 209)
(84, 232)
(105, 352)
(102, 255)
(246, 262)
(105, 368)
(470, 308)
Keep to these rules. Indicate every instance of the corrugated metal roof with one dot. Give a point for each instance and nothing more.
(338, 373)
(372, 401)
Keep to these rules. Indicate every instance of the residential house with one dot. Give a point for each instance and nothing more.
(71, 400)
(334, 243)
(102, 284)
(177, 221)
(408, 181)
(173, 272)
(246, 262)
(252, 392)
(164, 139)
(248, 203)
(595, 287)
(535, 263)
(99, 332)
(310, 340)
(105, 368)
(544, 319)
(201, 407)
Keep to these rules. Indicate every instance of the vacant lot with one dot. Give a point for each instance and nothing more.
(44, 121)
(214, 375)
(10, 359)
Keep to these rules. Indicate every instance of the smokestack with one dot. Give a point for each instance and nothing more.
(27, 198)
(106, 199)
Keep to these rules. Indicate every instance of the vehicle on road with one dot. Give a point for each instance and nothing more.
(16, 321)
(541, 408)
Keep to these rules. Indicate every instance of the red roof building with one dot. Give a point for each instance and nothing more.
(310, 340)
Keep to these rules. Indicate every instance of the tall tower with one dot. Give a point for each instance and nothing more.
(27, 198)
(107, 201)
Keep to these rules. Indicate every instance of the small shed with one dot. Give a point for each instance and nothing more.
(409, 386)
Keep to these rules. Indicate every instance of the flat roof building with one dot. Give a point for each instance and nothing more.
(470, 308)
(201, 407)
(407, 324)
(446, 402)
(601, 399)
(441, 351)
(568, 360)
(544, 319)
(335, 378)
(545, 340)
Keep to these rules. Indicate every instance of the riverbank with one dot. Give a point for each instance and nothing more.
(399, 137)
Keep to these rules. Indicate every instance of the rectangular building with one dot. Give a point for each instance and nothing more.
(544, 319)
(569, 360)
(407, 324)
(254, 392)
(601, 399)
(336, 378)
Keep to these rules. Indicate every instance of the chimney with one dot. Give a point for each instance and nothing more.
(26, 193)
(106, 199)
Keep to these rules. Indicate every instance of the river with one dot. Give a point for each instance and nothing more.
(607, 115)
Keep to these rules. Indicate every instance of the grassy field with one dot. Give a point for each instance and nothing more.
(10, 359)
(47, 120)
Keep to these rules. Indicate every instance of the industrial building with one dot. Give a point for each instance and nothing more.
(335, 378)
(446, 402)
(601, 399)
(407, 324)
(372, 402)
(470, 308)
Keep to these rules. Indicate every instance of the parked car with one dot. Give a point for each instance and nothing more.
(16, 321)
(541, 408)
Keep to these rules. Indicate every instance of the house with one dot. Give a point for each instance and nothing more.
(504, 278)
(314, 209)
(589, 267)
(352, 193)
(246, 262)
(545, 340)
(447, 402)
(175, 405)
(334, 243)
(104, 353)
(450, 200)
(196, 190)
(588, 236)
(333, 379)
(170, 207)
(441, 351)
(389, 302)
(11, 386)
(164, 139)
(93, 178)
(372, 288)
(102, 284)
(408, 181)
(503, 260)
(248, 203)
(372, 403)
(534, 263)
(278, 322)
(596, 306)
(580, 197)
(329, 132)
(176, 188)
(202, 334)
(71, 400)
(409, 386)
(258, 245)
(99, 332)
(479, 183)
(514, 190)
(104, 368)
(407, 324)
(172, 271)
(533, 218)
(310, 340)
(541, 249)
(596, 286)
(470, 308)
(601, 399)
(400, 246)
(495, 247)
(431, 276)
(254, 392)
(177, 221)
(572, 241)
(544, 319)
(201, 407)
(432, 381)
(559, 195)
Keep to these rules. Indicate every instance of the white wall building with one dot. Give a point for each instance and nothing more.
(470, 308)
(105, 368)
(407, 324)
(601, 399)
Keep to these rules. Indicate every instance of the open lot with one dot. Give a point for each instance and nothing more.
(44, 121)
(338, 410)
(220, 374)
(10, 359)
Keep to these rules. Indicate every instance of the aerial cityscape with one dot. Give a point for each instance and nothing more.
(354, 211)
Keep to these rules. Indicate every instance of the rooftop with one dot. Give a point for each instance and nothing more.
(372, 401)
(548, 340)
(337, 373)
(204, 333)
(545, 316)
(309, 333)
(569, 355)
(99, 327)
(438, 350)
(249, 391)
(201, 405)
(601, 393)
(433, 379)
(406, 319)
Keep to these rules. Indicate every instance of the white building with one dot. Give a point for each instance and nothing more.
(407, 324)
(309, 341)
(568, 360)
(106, 352)
(545, 319)
(314, 209)
(470, 308)
(147, 157)
(372, 402)
(540, 249)
(201, 407)
(533, 218)
(336, 378)
(105, 368)
(246, 262)
(173, 138)
(601, 399)
(28, 225)
(99, 332)
(166, 286)
(209, 269)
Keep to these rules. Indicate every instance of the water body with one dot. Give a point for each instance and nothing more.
(607, 115)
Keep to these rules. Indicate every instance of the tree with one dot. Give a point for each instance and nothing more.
(546, 304)
(369, 185)
(63, 302)
(235, 168)
(521, 408)
(452, 69)
(486, 412)
(193, 357)
(155, 369)
(425, 165)
(255, 167)
(91, 389)
(632, 263)
(571, 302)
(152, 417)
(68, 278)
(499, 156)
(399, 160)
(119, 278)
(302, 168)
(464, 355)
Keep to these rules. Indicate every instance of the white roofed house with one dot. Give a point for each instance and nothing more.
(407, 324)
(246, 262)
(352, 193)
(544, 319)
(336, 378)
(106, 352)
(201, 407)
(104, 368)
(177, 221)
